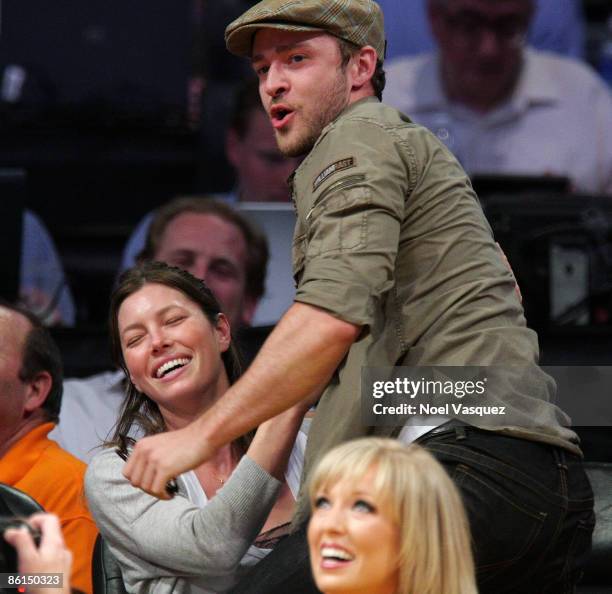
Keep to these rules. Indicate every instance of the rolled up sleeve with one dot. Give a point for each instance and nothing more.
(353, 221)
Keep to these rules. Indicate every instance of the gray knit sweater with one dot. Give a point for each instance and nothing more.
(176, 547)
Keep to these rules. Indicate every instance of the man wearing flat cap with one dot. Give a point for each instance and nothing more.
(395, 265)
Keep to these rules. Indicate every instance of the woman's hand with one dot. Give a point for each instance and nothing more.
(52, 556)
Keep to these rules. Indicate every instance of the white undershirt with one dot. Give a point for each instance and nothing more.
(197, 496)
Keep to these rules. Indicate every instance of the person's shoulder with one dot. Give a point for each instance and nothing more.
(105, 465)
(567, 74)
(398, 68)
(107, 457)
(104, 480)
(34, 230)
(62, 461)
(368, 134)
(411, 80)
(343, 144)
(57, 478)
(100, 386)
(31, 220)
(377, 127)
(363, 122)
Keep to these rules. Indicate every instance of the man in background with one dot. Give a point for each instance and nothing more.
(501, 107)
(215, 243)
(261, 169)
(30, 401)
(557, 26)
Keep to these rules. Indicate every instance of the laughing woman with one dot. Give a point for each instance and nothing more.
(387, 519)
(174, 345)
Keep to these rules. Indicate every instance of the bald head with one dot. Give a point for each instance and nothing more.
(14, 330)
(29, 362)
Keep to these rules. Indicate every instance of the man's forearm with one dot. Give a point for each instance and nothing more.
(298, 359)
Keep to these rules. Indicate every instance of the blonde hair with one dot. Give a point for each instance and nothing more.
(435, 555)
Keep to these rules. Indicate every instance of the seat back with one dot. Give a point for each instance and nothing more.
(105, 571)
(14, 504)
(598, 569)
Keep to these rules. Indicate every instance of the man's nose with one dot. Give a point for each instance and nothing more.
(275, 84)
(200, 270)
(489, 43)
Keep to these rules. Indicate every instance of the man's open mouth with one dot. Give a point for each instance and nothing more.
(280, 115)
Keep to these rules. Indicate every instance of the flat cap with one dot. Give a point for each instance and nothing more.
(358, 21)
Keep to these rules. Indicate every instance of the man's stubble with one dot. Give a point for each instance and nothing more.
(324, 109)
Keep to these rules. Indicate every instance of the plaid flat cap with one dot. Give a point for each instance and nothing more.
(358, 21)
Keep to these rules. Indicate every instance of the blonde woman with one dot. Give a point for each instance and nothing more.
(387, 519)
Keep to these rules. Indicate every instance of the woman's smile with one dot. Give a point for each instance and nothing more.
(172, 351)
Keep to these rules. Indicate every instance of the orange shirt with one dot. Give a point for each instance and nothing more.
(54, 478)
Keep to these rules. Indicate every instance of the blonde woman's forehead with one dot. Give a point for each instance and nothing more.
(350, 484)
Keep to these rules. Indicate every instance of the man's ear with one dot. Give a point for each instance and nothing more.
(363, 66)
(38, 390)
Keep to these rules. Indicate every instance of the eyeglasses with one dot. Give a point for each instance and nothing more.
(469, 28)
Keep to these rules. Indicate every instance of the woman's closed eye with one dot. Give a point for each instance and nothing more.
(174, 320)
(133, 340)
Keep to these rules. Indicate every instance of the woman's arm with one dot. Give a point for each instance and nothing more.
(154, 538)
(273, 442)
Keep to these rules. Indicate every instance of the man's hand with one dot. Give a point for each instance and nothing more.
(158, 459)
(51, 556)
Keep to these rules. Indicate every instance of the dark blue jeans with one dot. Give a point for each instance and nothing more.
(530, 508)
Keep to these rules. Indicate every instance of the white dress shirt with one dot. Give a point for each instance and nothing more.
(558, 121)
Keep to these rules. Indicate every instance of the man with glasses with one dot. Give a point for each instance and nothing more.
(501, 107)
(557, 26)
